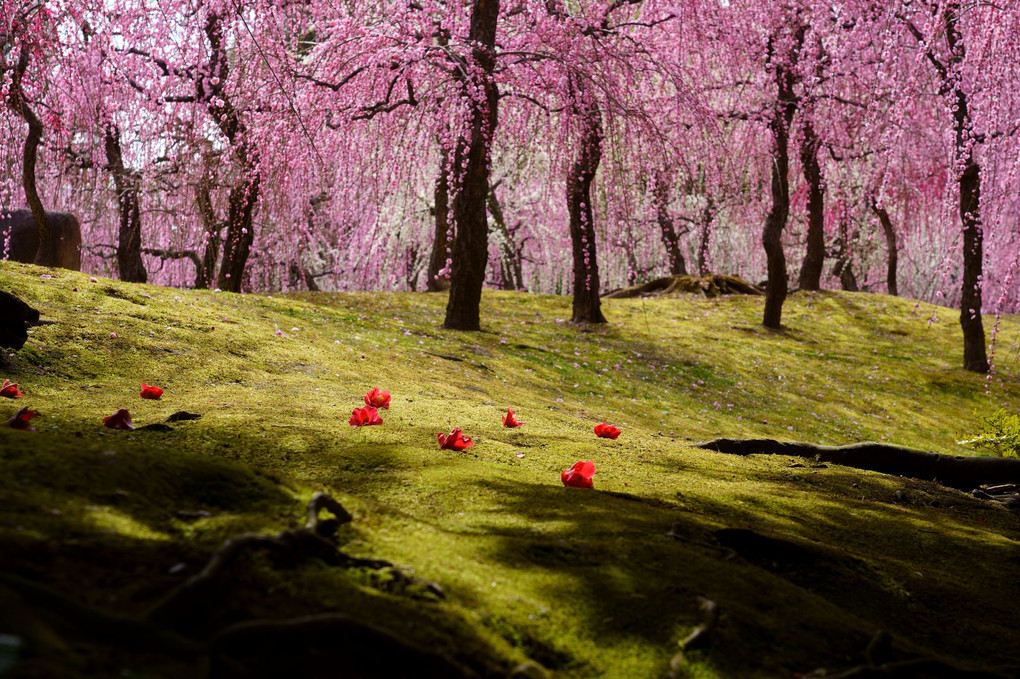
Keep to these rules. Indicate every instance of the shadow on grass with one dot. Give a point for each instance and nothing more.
(795, 598)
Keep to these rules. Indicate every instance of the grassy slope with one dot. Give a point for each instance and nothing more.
(585, 582)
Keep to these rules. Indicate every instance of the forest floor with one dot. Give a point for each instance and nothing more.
(805, 562)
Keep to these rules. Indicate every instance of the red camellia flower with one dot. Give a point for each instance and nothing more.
(510, 420)
(455, 440)
(606, 431)
(10, 390)
(363, 417)
(579, 476)
(378, 399)
(119, 420)
(21, 418)
(149, 391)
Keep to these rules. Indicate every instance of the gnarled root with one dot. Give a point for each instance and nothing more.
(699, 638)
(366, 649)
(954, 471)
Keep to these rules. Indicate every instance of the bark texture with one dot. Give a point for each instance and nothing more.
(670, 237)
(587, 307)
(129, 241)
(470, 245)
(441, 215)
(889, 232)
(814, 258)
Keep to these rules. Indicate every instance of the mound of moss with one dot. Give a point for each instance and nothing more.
(495, 562)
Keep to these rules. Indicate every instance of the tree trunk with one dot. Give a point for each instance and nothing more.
(16, 102)
(511, 277)
(587, 305)
(775, 222)
(890, 244)
(206, 270)
(441, 212)
(470, 244)
(244, 195)
(670, 238)
(706, 232)
(129, 242)
(974, 356)
(814, 258)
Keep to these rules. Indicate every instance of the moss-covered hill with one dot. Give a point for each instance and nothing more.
(586, 583)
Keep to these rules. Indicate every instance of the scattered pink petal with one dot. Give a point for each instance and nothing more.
(519, 454)
(113, 335)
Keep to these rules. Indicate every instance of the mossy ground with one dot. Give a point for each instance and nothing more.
(587, 583)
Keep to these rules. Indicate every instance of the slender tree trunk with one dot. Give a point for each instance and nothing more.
(206, 269)
(890, 244)
(244, 194)
(470, 245)
(511, 276)
(587, 305)
(814, 258)
(775, 222)
(441, 212)
(707, 215)
(16, 102)
(975, 357)
(129, 242)
(670, 238)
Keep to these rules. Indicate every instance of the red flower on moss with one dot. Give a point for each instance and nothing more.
(378, 399)
(364, 417)
(119, 420)
(21, 418)
(606, 431)
(149, 391)
(579, 476)
(455, 440)
(10, 390)
(510, 419)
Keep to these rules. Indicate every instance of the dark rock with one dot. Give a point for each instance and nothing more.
(182, 416)
(15, 317)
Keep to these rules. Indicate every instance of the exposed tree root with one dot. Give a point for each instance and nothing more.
(955, 471)
(699, 638)
(878, 666)
(711, 286)
(367, 650)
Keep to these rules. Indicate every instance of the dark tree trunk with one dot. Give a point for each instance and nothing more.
(470, 244)
(206, 269)
(244, 195)
(775, 222)
(974, 356)
(670, 237)
(511, 276)
(129, 242)
(890, 244)
(843, 268)
(706, 232)
(441, 212)
(587, 305)
(16, 102)
(814, 258)
(948, 69)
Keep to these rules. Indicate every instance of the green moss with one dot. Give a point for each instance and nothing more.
(588, 583)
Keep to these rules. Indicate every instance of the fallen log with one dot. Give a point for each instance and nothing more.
(954, 471)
